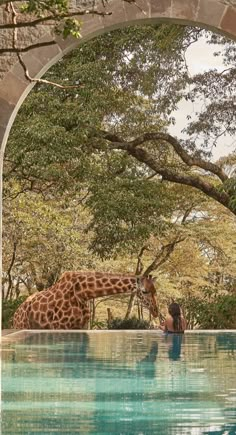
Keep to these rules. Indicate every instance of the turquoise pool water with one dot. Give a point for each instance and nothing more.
(119, 383)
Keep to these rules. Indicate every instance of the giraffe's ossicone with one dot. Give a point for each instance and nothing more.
(65, 304)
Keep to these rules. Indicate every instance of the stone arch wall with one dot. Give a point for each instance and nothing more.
(214, 14)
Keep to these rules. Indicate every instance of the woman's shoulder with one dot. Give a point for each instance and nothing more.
(169, 318)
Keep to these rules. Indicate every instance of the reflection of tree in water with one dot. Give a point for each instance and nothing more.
(116, 392)
(80, 352)
(74, 348)
(227, 342)
(124, 395)
(227, 429)
(147, 365)
(110, 388)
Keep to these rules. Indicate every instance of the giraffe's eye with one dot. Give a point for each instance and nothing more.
(145, 292)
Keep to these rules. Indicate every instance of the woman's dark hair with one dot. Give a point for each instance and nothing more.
(174, 311)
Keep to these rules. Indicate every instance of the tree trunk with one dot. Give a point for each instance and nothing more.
(138, 271)
(92, 313)
(130, 306)
(109, 317)
(10, 283)
(139, 311)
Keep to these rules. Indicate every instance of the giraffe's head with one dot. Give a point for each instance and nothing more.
(146, 292)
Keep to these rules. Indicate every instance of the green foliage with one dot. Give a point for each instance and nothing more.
(48, 238)
(99, 325)
(129, 82)
(67, 188)
(230, 187)
(129, 210)
(71, 27)
(210, 310)
(64, 158)
(132, 323)
(8, 309)
(59, 12)
(38, 7)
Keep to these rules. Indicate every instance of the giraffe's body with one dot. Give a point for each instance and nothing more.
(64, 305)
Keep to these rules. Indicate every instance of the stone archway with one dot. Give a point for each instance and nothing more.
(218, 15)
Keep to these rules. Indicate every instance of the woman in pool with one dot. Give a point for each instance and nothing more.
(175, 322)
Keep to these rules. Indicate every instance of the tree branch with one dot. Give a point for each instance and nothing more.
(139, 266)
(163, 255)
(28, 48)
(27, 75)
(167, 174)
(186, 214)
(184, 155)
(188, 180)
(135, 3)
(138, 271)
(9, 270)
(53, 17)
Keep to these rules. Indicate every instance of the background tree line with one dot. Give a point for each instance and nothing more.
(93, 179)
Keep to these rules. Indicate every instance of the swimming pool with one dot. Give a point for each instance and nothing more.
(119, 382)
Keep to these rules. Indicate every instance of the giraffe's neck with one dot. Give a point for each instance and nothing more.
(90, 285)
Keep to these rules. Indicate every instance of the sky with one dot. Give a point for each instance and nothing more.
(199, 59)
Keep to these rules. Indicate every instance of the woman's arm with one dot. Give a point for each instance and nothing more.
(163, 326)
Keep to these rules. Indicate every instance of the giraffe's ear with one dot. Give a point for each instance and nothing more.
(154, 278)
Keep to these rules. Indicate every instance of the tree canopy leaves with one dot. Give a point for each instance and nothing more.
(102, 177)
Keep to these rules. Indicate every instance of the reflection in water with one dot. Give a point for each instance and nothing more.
(119, 383)
(147, 365)
(227, 341)
(174, 341)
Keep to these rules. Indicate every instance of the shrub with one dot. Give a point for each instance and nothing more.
(8, 309)
(99, 325)
(132, 323)
(210, 311)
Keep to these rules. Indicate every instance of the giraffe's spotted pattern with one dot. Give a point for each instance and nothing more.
(64, 305)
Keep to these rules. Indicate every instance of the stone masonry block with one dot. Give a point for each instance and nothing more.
(138, 11)
(228, 22)
(12, 88)
(161, 8)
(185, 9)
(210, 12)
(6, 110)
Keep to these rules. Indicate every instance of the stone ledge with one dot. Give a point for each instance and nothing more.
(8, 331)
(6, 110)
(12, 88)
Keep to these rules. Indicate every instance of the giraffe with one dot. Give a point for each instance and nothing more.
(65, 304)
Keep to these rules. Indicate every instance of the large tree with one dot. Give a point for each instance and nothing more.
(107, 146)
(130, 82)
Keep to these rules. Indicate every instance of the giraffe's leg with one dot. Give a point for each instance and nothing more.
(21, 317)
(33, 324)
(85, 318)
(85, 324)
